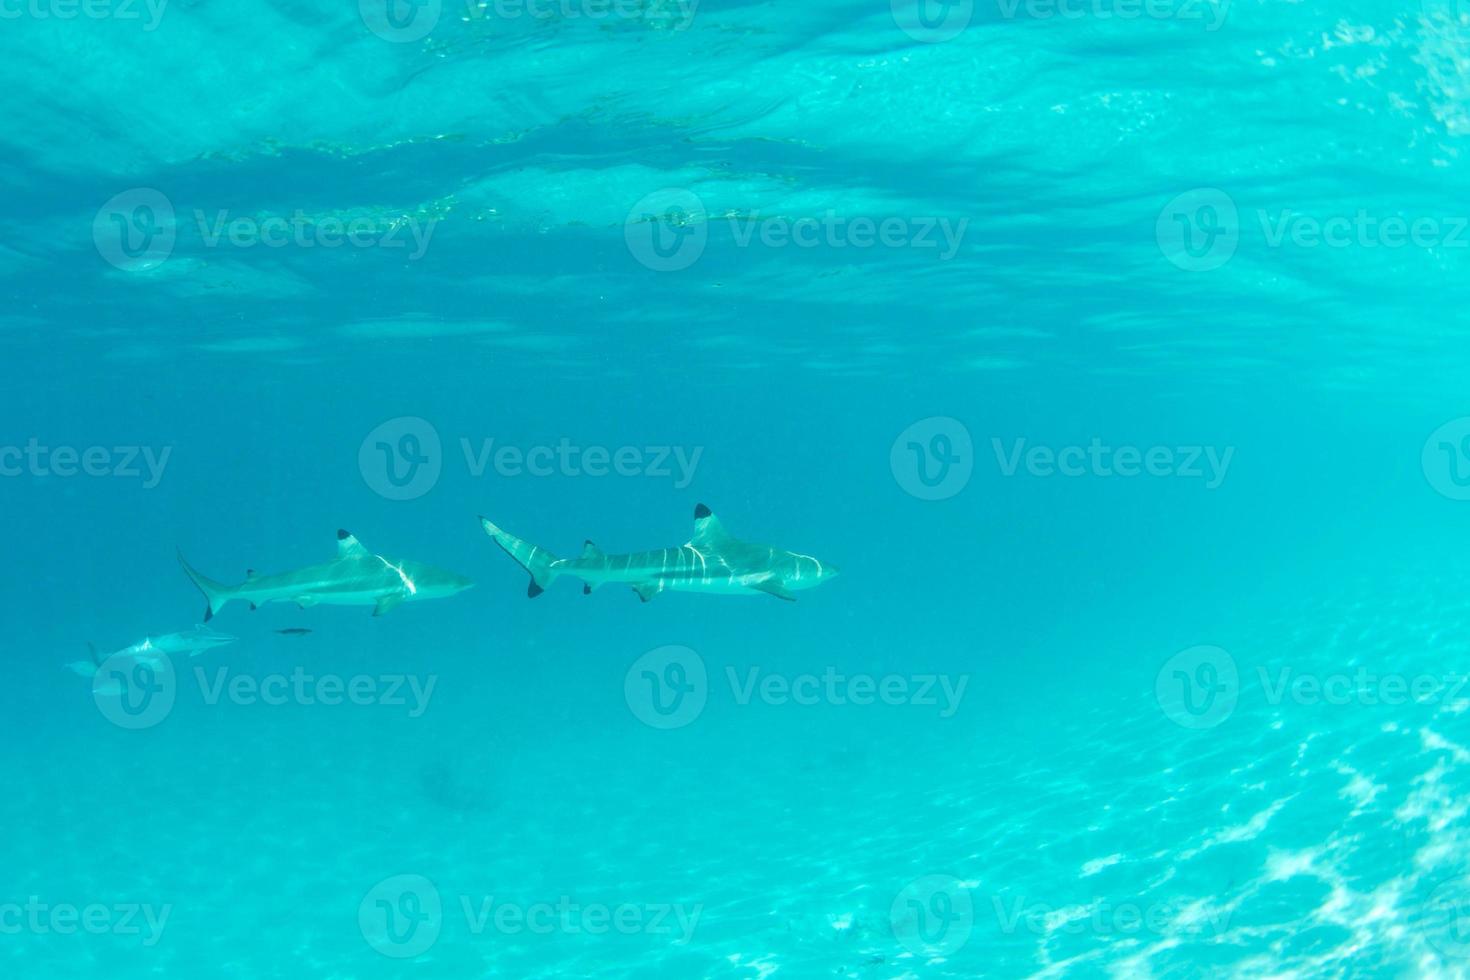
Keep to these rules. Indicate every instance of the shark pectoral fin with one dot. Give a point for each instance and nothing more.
(305, 601)
(647, 590)
(773, 587)
(388, 603)
(587, 588)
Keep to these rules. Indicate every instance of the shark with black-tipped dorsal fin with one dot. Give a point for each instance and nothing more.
(356, 577)
(713, 561)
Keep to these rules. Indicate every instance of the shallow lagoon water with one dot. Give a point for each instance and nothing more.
(1113, 353)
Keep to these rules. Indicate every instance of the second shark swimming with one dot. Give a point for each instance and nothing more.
(356, 577)
(713, 561)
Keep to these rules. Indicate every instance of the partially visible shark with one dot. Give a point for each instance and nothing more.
(356, 577)
(713, 561)
(152, 648)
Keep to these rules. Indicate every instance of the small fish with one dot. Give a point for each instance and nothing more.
(294, 631)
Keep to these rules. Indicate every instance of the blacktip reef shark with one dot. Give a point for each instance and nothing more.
(713, 561)
(151, 648)
(356, 577)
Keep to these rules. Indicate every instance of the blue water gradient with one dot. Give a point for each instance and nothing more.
(1114, 352)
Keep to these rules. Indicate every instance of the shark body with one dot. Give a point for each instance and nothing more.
(713, 561)
(152, 648)
(356, 577)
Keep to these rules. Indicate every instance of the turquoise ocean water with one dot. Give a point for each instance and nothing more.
(1115, 352)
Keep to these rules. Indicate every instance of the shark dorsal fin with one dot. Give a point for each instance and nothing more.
(590, 550)
(709, 533)
(349, 547)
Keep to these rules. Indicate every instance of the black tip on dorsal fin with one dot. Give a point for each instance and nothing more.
(588, 544)
(701, 512)
(343, 535)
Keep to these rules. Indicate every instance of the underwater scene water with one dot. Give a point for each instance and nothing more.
(995, 473)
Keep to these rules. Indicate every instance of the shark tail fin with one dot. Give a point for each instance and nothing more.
(538, 561)
(214, 593)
